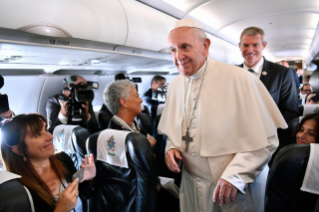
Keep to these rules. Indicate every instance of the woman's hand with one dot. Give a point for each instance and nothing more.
(89, 168)
(68, 198)
(151, 139)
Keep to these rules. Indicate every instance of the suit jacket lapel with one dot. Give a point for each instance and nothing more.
(265, 69)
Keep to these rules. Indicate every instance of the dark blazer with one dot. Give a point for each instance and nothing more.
(53, 108)
(281, 85)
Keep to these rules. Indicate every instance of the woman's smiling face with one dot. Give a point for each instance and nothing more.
(307, 133)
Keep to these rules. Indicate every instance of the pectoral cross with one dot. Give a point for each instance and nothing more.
(187, 139)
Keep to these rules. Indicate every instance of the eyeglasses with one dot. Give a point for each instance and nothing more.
(306, 90)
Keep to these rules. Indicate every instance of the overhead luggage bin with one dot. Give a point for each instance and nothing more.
(96, 20)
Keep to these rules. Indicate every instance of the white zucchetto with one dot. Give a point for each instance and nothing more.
(186, 22)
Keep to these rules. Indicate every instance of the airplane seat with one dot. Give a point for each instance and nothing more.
(104, 117)
(146, 110)
(159, 150)
(13, 195)
(308, 109)
(71, 139)
(144, 121)
(317, 206)
(285, 179)
(156, 110)
(125, 172)
(300, 108)
(289, 135)
(153, 113)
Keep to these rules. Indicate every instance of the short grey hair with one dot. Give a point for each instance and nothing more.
(116, 91)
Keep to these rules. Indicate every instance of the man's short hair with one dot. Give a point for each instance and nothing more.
(305, 84)
(253, 31)
(157, 78)
(120, 76)
(114, 92)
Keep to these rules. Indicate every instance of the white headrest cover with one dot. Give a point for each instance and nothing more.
(111, 147)
(62, 138)
(6, 176)
(310, 182)
(308, 109)
(160, 109)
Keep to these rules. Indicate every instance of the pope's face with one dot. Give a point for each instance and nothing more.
(188, 50)
(251, 47)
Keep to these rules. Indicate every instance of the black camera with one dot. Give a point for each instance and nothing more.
(4, 103)
(80, 93)
(161, 94)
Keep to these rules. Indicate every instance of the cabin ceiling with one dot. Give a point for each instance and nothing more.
(106, 37)
(289, 25)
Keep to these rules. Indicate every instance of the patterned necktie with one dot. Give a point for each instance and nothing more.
(250, 70)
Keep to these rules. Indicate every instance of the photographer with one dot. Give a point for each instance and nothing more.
(58, 106)
(150, 97)
(5, 111)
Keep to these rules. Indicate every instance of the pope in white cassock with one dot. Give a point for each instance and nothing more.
(222, 122)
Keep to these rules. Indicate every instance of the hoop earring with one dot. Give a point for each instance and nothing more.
(25, 159)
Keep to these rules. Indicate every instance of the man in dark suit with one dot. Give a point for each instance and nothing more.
(150, 96)
(57, 110)
(5, 114)
(278, 79)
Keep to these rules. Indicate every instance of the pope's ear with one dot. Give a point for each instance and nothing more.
(206, 43)
(15, 149)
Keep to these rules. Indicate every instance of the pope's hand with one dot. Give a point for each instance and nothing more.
(224, 192)
(170, 158)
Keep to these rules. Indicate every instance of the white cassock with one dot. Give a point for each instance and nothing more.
(234, 134)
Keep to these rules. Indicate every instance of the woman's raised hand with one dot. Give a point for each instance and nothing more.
(89, 167)
(68, 198)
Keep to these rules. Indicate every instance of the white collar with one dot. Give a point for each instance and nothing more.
(200, 72)
(257, 68)
(125, 125)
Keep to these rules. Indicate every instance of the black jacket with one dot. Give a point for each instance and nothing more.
(281, 85)
(53, 108)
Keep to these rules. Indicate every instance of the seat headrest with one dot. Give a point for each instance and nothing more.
(160, 109)
(308, 109)
(62, 138)
(6, 176)
(310, 183)
(111, 147)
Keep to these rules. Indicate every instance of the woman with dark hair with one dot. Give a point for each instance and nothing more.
(308, 129)
(27, 150)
